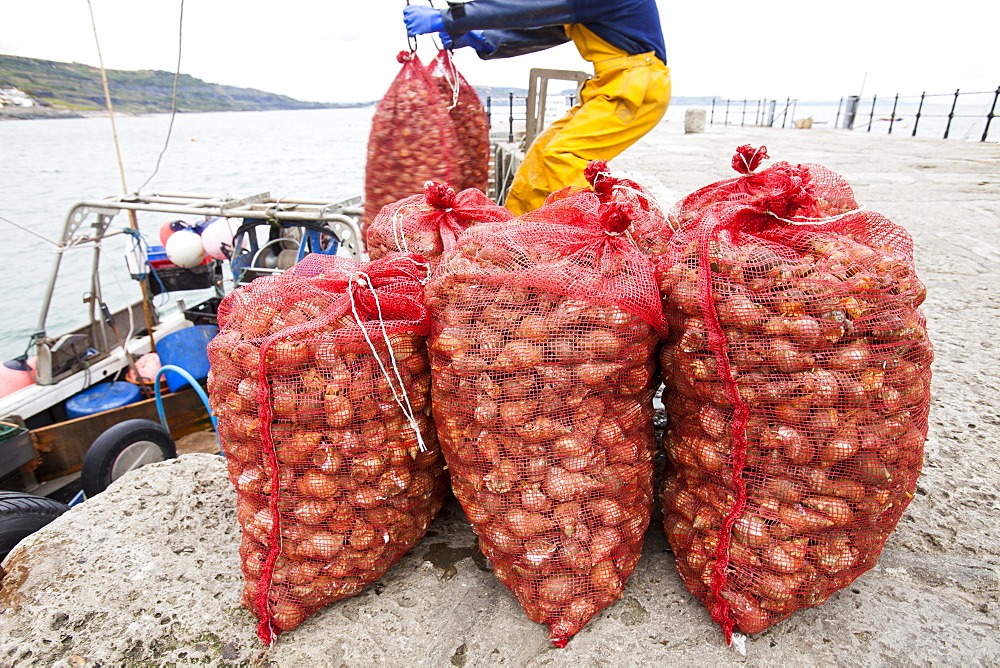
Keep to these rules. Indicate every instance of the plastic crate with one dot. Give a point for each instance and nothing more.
(205, 313)
(16, 448)
(156, 256)
(173, 278)
(9, 431)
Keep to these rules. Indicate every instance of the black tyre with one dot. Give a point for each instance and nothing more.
(23, 514)
(125, 447)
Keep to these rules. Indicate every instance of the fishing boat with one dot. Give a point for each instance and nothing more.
(53, 452)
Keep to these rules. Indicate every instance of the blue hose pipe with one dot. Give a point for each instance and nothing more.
(197, 388)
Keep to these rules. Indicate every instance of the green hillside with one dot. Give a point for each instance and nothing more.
(76, 87)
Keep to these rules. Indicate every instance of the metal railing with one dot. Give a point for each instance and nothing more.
(967, 115)
(763, 112)
(959, 115)
(508, 116)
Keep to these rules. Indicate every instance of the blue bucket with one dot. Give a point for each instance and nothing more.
(188, 349)
(102, 397)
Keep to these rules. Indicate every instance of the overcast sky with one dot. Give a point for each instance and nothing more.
(344, 50)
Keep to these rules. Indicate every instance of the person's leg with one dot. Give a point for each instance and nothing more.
(520, 197)
(621, 107)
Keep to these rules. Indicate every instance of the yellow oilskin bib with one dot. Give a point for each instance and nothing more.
(625, 99)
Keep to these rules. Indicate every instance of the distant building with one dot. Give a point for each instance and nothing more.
(15, 97)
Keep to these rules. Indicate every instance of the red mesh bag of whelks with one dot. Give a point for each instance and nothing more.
(412, 139)
(429, 223)
(542, 351)
(468, 117)
(321, 385)
(797, 384)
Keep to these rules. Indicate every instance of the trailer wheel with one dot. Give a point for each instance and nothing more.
(124, 447)
(23, 514)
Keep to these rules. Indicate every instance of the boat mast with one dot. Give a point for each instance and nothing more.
(132, 220)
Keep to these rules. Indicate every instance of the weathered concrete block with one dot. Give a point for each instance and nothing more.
(694, 120)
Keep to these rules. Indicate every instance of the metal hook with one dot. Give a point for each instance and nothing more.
(411, 40)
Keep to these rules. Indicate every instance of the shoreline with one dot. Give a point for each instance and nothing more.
(37, 113)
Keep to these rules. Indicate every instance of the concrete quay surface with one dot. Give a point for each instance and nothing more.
(147, 573)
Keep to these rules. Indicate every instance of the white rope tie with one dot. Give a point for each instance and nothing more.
(646, 197)
(363, 281)
(423, 265)
(643, 195)
(451, 76)
(30, 231)
(816, 221)
(396, 223)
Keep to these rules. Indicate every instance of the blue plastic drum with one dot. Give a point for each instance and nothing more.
(102, 397)
(188, 349)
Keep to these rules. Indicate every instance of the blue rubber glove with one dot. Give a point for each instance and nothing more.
(474, 38)
(420, 20)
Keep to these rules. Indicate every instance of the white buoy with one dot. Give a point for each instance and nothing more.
(184, 249)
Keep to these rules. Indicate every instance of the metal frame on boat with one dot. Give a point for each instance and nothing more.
(70, 363)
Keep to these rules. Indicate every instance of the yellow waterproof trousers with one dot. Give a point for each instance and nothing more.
(625, 99)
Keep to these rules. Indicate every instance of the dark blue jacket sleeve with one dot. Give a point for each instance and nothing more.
(506, 14)
(508, 43)
(630, 25)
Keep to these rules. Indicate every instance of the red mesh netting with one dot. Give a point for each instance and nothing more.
(797, 383)
(429, 223)
(650, 229)
(321, 385)
(412, 139)
(472, 126)
(542, 353)
(799, 192)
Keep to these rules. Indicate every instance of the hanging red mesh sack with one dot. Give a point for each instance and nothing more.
(796, 380)
(802, 192)
(468, 117)
(412, 140)
(429, 223)
(542, 353)
(321, 385)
